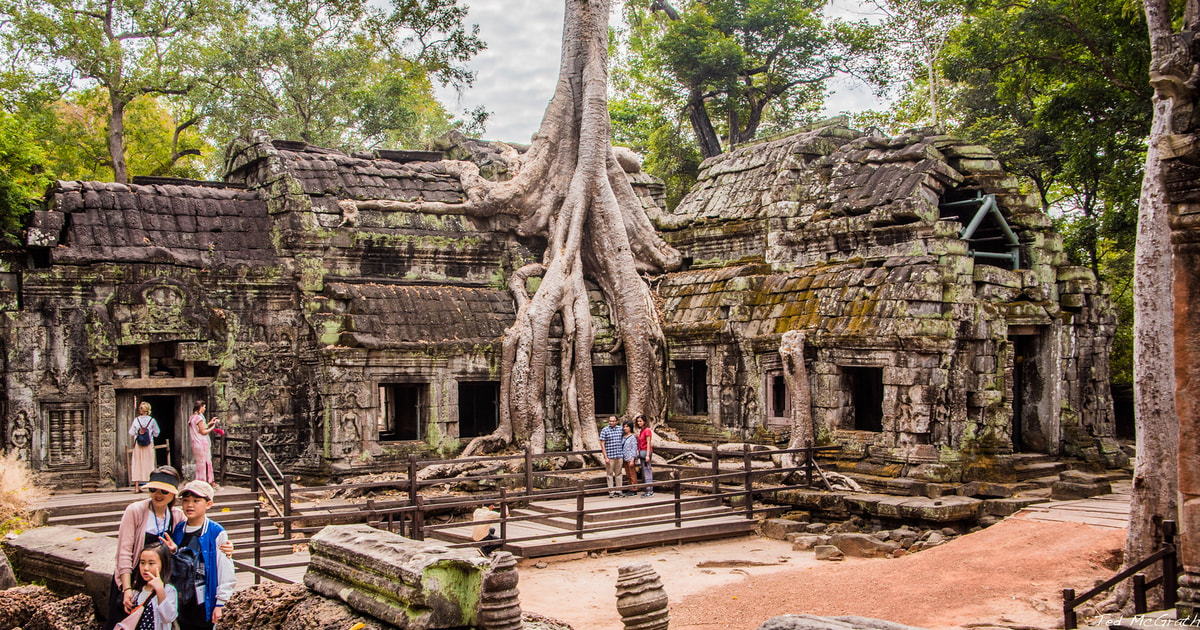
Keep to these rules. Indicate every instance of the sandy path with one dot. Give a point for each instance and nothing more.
(1010, 574)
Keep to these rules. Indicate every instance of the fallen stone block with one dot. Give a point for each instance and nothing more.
(1068, 490)
(1008, 507)
(842, 622)
(828, 552)
(407, 583)
(985, 490)
(816, 528)
(805, 542)
(66, 559)
(863, 545)
(779, 528)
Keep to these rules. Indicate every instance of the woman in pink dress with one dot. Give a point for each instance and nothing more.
(198, 429)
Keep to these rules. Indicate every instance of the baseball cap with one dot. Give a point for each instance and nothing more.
(197, 488)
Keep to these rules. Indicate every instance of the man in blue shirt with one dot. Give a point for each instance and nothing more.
(614, 454)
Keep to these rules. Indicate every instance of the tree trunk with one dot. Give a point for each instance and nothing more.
(116, 136)
(706, 135)
(1155, 476)
(570, 189)
(795, 372)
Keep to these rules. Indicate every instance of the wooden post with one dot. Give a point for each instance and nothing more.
(419, 519)
(1139, 594)
(257, 542)
(503, 515)
(678, 506)
(412, 479)
(716, 470)
(749, 481)
(254, 483)
(372, 517)
(1170, 570)
(579, 495)
(287, 507)
(809, 454)
(1070, 622)
(224, 460)
(528, 469)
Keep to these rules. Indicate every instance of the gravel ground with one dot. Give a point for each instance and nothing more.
(1008, 575)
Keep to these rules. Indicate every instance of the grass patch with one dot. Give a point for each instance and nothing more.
(18, 492)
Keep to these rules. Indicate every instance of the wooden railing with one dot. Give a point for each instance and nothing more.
(409, 516)
(1168, 580)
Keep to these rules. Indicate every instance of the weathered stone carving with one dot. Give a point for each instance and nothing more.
(499, 607)
(641, 599)
(407, 583)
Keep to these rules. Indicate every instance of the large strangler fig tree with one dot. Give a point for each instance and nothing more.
(570, 189)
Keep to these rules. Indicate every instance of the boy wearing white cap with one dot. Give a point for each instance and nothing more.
(213, 570)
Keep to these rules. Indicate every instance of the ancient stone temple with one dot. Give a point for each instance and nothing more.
(301, 299)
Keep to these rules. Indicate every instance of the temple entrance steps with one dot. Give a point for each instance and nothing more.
(100, 512)
(1033, 466)
(611, 524)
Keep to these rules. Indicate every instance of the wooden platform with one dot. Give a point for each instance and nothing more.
(611, 524)
(1108, 510)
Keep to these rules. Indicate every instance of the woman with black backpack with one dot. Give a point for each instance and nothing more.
(142, 431)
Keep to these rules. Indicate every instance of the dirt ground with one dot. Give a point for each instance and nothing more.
(1011, 574)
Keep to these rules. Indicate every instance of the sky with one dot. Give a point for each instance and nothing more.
(516, 74)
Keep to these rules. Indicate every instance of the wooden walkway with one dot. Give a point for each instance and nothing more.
(1109, 510)
(610, 524)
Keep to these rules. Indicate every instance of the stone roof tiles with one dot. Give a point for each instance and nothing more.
(191, 225)
(382, 315)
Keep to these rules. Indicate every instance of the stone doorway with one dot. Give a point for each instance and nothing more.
(478, 408)
(1032, 430)
(171, 408)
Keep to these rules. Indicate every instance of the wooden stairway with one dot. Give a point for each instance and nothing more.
(233, 508)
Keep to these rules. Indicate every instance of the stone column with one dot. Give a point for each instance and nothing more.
(499, 607)
(1185, 238)
(641, 599)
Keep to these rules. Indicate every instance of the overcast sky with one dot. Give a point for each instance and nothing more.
(515, 76)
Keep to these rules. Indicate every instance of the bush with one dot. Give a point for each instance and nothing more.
(18, 492)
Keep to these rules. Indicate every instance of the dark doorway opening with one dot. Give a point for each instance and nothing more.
(403, 411)
(865, 385)
(164, 410)
(691, 388)
(1027, 385)
(478, 408)
(608, 382)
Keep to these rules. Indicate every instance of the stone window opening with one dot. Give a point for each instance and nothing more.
(779, 403)
(990, 239)
(691, 388)
(478, 408)
(609, 386)
(864, 387)
(403, 411)
(66, 444)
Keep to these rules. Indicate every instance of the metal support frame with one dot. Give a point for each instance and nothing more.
(987, 205)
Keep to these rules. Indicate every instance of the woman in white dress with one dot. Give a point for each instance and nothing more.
(142, 433)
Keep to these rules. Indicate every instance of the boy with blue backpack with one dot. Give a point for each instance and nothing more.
(204, 589)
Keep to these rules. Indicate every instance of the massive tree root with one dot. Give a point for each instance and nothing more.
(570, 189)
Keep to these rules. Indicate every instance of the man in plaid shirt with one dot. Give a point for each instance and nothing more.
(614, 455)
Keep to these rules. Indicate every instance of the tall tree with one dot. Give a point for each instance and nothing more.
(570, 190)
(341, 73)
(23, 174)
(1155, 476)
(130, 48)
(742, 63)
(918, 30)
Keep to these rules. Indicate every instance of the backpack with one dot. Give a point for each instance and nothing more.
(183, 574)
(143, 436)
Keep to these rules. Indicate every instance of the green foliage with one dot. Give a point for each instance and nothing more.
(131, 49)
(23, 176)
(342, 74)
(669, 153)
(738, 68)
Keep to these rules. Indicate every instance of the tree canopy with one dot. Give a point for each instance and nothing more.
(343, 73)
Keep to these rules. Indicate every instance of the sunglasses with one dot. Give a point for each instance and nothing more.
(158, 491)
